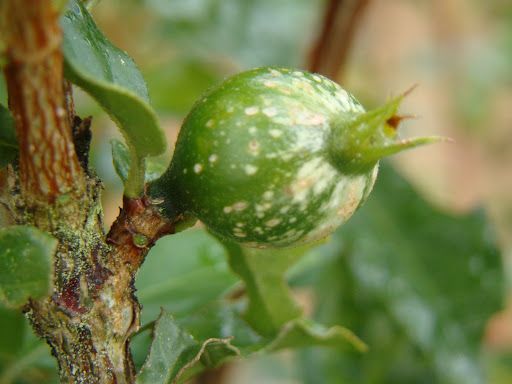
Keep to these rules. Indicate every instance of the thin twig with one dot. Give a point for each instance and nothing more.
(340, 22)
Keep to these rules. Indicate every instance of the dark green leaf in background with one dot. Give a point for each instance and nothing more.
(112, 78)
(8, 142)
(250, 32)
(416, 284)
(24, 357)
(25, 264)
(188, 275)
(3, 90)
(176, 84)
(11, 332)
(182, 273)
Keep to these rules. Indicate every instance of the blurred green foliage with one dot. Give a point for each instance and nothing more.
(414, 283)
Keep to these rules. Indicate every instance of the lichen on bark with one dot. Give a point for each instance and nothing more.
(92, 311)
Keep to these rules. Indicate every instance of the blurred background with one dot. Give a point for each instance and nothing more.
(422, 273)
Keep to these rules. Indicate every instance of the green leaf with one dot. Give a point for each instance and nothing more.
(304, 333)
(263, 32)
(263, 273)
(155, 166)
(198, 291)
(416, 284)
(8, 142)
(183, 273)
(176, 84)
(111, 77)
(223, 319)
(174, 353)
(11, 332)
(3, 90)
(25, 264)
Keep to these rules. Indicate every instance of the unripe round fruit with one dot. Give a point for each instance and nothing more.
(275, 157)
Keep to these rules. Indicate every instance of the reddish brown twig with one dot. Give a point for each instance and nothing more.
(48, 164)
(330, 52)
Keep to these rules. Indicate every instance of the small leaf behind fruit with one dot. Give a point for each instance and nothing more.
(111, 77)
(8, 142)
(25, 264)
(155, 165)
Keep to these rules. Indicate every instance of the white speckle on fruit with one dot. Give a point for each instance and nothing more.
(222, 133)
(254, 147)
(213, 158)
(240, 206)
(298, 73)
(250, 111)
(228, 209)
(292, 220)
(260, 215)
(230, 109)
(239, 233)
(253, 130)
(275, 133)
(185, 170)
(273, 222)
(315, 175)
(268, 195)
(269, 84)
(209, 123)
(198, 168)
(250, 169)
(269, 111)
(263, 207)
(274, 72)
(258, 230)
(285, 209)
(240, 224)
(317, 119)
(317, 78)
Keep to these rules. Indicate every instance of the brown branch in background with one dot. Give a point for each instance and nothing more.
(48, 163)
(214, 376)
(340, 22)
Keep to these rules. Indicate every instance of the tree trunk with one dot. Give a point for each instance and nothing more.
(92, 312)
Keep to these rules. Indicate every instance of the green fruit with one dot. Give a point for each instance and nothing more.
(275, 157)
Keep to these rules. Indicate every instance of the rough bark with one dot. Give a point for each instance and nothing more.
(92, 312)
(48, 163)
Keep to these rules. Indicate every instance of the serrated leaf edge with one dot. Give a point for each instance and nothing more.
(345, 333)
(226, 341)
